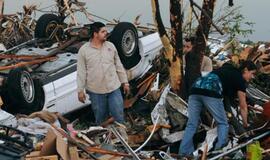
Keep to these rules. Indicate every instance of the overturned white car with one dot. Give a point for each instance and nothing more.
(35, 78)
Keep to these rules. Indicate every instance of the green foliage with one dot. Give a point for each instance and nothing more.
(248, 42)
(236, 25)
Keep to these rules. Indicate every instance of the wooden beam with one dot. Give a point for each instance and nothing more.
(73, 152)
(53, 157)
(22, 64)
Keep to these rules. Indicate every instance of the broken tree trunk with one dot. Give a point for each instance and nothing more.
(173, 49)
(1, 7)
(1, 14)
(193, 65)
(176, 20)
(204, 25)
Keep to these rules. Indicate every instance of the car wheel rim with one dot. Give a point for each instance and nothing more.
(128, 43)
(51, 27)
(27, 86)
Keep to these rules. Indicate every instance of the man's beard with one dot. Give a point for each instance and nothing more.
(104, 39)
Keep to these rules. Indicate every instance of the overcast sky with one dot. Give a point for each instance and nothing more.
(126, 10)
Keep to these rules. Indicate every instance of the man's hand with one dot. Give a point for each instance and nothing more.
(81, 96)
(126, 88)
(243, 107)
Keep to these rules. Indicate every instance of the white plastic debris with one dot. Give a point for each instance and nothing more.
(209, 140)
(35, 126)
(7, 119)
(2, 47)
(160, 109)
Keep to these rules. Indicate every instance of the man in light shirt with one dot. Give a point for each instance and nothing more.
(189, 58)
(206, 65)
(100, 73)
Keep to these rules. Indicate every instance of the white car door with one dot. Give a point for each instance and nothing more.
(49, 96)
(66, 91)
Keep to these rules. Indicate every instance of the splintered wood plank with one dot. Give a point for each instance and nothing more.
(73, 152)
(53, 157)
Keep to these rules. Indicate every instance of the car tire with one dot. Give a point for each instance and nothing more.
(22, 94)
(125, 38)
(46, 25)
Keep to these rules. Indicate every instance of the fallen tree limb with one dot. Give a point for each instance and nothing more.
(206, 14)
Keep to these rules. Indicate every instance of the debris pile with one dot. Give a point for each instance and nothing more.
(155, 121)
(17, 28)
(155, 116)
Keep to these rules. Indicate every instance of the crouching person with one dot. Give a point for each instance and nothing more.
(208, 91)
(101, 73)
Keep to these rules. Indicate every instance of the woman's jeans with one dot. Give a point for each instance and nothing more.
(196, 104)
(108, 104)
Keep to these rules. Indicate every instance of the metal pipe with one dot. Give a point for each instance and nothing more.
(20, 45)
(115, 132)
(147, 140)
(183, 101)
(165, 156)
(240, 146)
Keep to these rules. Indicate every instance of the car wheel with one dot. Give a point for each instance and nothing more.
(125, 38)
(22, 94)
(46, 25)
